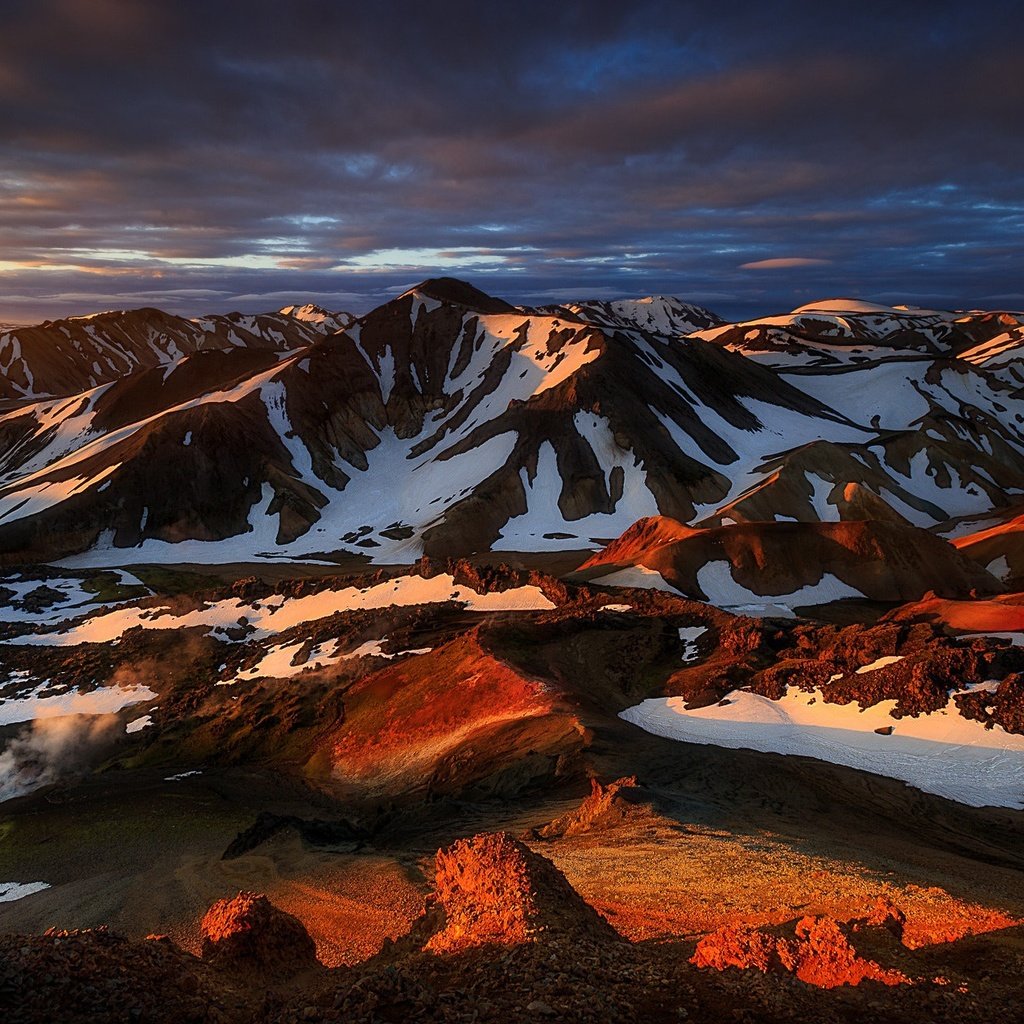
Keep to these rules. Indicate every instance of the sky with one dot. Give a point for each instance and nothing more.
(206, 156)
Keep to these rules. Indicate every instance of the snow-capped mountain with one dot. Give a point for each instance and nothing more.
(847, 331)
(65, 357)
(323, 319)
(659, 314)
(447, 421)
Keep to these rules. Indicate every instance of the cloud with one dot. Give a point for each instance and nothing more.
(253, 157)
(785, 263)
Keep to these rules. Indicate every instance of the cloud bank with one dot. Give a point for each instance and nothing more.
(203, 156)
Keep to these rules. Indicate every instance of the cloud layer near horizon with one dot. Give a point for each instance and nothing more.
(204, 156)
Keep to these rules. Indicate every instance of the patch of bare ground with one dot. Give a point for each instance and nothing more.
(666, 881)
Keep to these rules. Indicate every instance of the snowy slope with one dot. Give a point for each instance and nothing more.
(658, 314)
(447, 421)
(941, 753)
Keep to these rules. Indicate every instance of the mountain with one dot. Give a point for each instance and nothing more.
(66, 357)
(326, 321)
(659, 314)
(448, 422)
(311, 725)
(837, 332)
(783, 565)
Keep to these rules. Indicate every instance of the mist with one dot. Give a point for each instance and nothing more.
(52, 748)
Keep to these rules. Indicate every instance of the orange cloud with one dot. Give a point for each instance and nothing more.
(784, 263)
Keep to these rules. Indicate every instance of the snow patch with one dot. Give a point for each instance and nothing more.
(264, 618)
(889, 659)
(104, 700)
(689, 636)
(11, 891)
(942, 753)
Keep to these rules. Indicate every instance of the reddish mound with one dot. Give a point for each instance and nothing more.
(451, 720)
(249, 932)
(494, 889)
(885, 561)
(1001, 614)
(1001, 547)
(641, 539)
(819, 954)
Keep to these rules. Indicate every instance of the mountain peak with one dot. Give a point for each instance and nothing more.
(317, 316)
(659, 314)
(461, 293)
(305, 312)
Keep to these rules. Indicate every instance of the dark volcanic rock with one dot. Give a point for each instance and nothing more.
(314, 833)
(93, 976)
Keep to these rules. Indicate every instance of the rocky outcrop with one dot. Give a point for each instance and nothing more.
(819, 953)
(604, 807)
(247, 932)
(493, 889)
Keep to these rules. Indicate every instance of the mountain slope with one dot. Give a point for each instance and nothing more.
(448, 422)
(807, 563)
(65, 357)
(658, 314)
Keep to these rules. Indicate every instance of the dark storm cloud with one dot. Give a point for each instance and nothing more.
(212, 155)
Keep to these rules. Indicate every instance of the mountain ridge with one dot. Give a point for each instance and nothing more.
(446, 422)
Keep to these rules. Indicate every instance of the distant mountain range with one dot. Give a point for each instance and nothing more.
(65, 357)
(447, 422)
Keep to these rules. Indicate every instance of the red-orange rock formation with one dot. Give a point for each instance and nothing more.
(249, 932)
(605, 807)
(494, 889)
(820, 954)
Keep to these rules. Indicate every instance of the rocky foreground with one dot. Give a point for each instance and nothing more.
(504, 936)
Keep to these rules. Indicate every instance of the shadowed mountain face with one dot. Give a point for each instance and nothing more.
(449, 422)
(65, 357)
